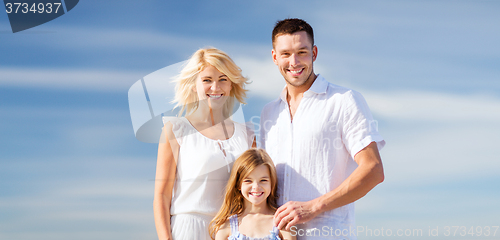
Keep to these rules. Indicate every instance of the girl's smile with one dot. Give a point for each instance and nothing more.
(256, 187)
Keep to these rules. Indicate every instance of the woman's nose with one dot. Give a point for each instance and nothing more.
(214, 86)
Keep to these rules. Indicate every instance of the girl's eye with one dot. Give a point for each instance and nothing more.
(263, 180)
(223, 79)
(206, 80)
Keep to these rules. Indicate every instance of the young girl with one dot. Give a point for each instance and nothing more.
(250, 201)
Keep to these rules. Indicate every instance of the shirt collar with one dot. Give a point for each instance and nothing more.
(319, 86)
(283, 94)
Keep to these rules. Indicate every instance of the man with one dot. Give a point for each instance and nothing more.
(323, 140)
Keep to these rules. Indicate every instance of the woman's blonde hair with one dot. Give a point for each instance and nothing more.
(186, 98)
(233, 199)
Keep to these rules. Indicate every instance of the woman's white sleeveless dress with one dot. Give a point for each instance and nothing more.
(203, 169)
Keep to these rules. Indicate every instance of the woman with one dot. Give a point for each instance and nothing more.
(196, 152)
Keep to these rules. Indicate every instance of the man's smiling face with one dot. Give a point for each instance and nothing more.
(294, 55)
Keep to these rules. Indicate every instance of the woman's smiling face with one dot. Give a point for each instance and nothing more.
(214, 86)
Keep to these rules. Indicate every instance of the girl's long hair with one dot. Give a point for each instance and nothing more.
(233, 199)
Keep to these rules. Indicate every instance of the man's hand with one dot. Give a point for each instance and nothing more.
(292, 213)
(367, 175)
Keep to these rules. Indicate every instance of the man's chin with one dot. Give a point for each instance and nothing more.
(296, 82)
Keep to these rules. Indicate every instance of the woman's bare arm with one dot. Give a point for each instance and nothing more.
(164, 181)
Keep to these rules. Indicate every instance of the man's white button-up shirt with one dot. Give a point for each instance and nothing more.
(315, 152)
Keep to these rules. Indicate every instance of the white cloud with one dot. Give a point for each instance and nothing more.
(434, 106)
(84, 38)
(113, 205)
(402, 25)
(426, 205)
(264, 75)
(119, 80)
(436, 137)
(86, 79)
(415, 156)
(105, 188)
(110, 40)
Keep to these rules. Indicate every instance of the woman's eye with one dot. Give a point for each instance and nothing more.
(223, 79)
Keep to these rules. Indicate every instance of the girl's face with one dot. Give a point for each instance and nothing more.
(214, 86)
(256, 187)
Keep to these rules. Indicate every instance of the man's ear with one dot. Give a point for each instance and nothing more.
(273, 53)
(315, 52)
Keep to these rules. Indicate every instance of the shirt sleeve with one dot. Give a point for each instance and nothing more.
(265, 123)
(359, 127)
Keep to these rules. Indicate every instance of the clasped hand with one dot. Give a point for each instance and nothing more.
(292, 213)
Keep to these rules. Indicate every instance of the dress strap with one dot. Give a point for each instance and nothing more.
(275, 234)
(233, 221)
(178, 127)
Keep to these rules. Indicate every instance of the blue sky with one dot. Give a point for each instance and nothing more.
(71, 167)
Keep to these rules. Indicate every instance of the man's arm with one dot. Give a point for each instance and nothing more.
(367, 175)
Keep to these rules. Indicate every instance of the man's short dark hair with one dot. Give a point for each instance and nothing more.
(292, 25)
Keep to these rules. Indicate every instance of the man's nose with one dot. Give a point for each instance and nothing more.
(294, 60)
